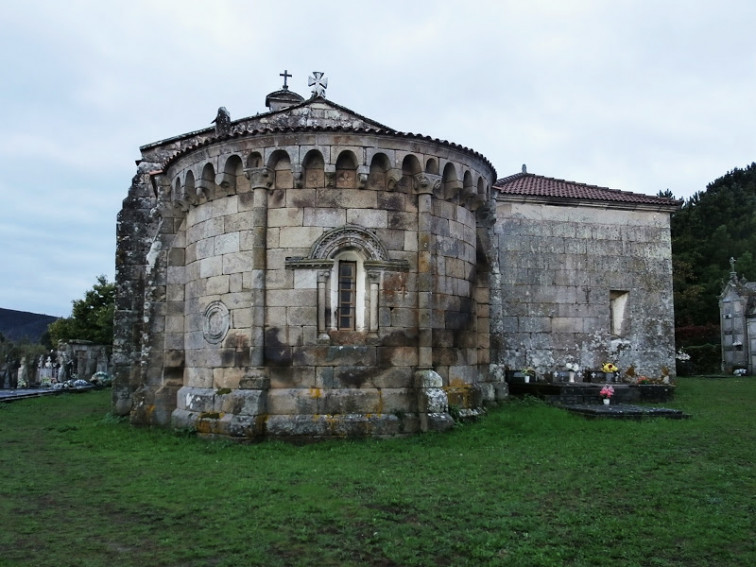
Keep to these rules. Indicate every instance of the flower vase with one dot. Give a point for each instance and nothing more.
(572, 376)
(527, 378)
(607, 401)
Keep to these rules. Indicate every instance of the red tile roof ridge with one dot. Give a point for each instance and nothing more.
(538, 186)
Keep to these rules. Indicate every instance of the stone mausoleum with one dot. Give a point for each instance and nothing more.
(310, 272)
(737, 323)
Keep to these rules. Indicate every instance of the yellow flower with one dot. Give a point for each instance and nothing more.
(609, 367)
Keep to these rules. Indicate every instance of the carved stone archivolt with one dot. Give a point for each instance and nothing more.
(348, 237)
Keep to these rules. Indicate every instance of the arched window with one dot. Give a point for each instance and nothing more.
(348, 292)
(349, 261)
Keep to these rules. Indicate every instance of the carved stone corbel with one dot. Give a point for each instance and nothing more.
(362, 180)
(259, 177)
(426, 183)
(393, 177)
(188, 195)
(452, 189)
(226, 183)
(330, 179)
(204, 192)
(298, 177)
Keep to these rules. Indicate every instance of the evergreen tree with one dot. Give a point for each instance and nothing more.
(91, 318)
(712, 226)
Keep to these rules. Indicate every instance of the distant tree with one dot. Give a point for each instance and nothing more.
(91, 318)
(712, 226)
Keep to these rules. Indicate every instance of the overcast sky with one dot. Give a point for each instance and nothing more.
(635, 95)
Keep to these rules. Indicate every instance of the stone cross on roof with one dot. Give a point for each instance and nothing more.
(319, 83)
(285, 75)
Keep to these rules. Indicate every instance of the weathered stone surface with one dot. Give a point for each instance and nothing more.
(309, 272)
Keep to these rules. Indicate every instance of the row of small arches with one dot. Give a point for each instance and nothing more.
(468, 189)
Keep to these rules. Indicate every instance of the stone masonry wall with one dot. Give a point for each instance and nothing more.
(559, 269)
(227, 263)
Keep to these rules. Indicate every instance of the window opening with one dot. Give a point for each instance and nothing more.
(617, 304)
(347, 294)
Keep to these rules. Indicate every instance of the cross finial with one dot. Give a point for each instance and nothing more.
(318, 83)
(285, 75)
(732, 264)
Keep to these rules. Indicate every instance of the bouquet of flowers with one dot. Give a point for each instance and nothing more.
(606, 392)
(572, 366)
(644, 380)
(609, 367)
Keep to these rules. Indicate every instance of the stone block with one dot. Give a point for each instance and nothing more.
(296, 401)
(244, 402)
(347, 198)
(196, 399)
(371, 218)
(401, 317)
(398, 400)
(241, 318)
(285, 217)
(395, 377)
(305, 279)
(302, 315)
(227, 243)
(397, 356)
(239, 222)
(299, 236)
(403, 221)
(427, 379)
(210, 267)
(217, 285)
(237, 262)
(293, 377)
(439, 422)
(324, 217)
(275, 316)
(349, 401)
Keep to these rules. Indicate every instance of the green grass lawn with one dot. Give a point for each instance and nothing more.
(526, 485)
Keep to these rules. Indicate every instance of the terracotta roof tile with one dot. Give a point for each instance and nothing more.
(531, 185)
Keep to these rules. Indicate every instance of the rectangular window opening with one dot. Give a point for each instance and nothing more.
(347, 294)
(617, 304)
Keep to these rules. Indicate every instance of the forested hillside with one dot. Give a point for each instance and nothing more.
(712, 226)
(23, 326)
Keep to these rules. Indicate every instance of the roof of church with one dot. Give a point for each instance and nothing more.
(295, 119)
(550, 189)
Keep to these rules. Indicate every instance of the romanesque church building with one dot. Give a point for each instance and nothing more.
(310, 272)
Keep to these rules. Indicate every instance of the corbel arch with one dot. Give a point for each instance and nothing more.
(468, 190)
(378, 176)
(482, 193)
(254, 160)
(410, 167)
(346, 170)
(230, 179)
(280, 163)
(452, 184)
(186, 194)
(314, 169)
(205, 187)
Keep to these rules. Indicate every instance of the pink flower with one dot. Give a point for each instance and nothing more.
(606, 392)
